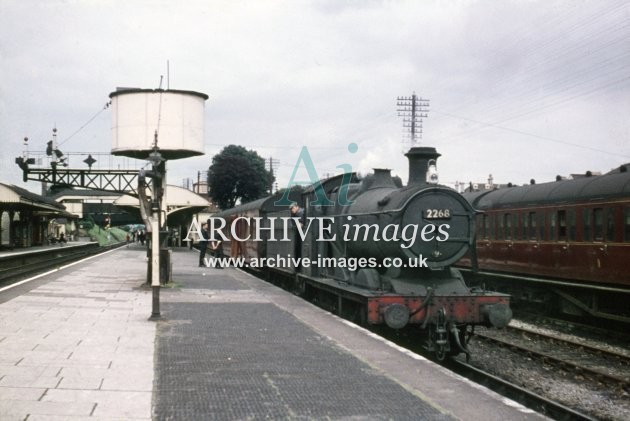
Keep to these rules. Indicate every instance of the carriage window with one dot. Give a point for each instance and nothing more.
(598, 224)
(500, 226)
(586, 225)
(507, 223)
(252, 229)
(542, 223)
(610, 226)
(562, 225)
(531, 225)
(479, 226)
(488, 224)
(484, 226)
(626, 223)
(552, 226)
(516, 226)
(571, 224)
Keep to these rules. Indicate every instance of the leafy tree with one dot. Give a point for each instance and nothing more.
(237, 174)
(295, 191)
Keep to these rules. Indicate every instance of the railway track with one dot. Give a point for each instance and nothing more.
(510, 389)
(515, 392)
(20, 265)
(579, 367)
(596, 362)
(558, 326)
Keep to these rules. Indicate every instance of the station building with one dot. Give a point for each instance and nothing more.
(28, 219)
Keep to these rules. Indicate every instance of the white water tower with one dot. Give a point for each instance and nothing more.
(157, 125)
(177, 116)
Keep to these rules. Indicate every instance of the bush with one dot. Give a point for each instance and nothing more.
(107, 236)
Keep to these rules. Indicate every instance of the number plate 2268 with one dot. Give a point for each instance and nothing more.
(437, 214)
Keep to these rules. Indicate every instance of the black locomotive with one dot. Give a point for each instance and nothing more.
(380, 254)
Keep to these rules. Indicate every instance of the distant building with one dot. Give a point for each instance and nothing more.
(586, 174)
(478, 186)
(201, 187)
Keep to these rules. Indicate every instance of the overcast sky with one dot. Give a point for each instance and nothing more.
(517, 89)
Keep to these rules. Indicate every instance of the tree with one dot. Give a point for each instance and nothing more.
(237, 174)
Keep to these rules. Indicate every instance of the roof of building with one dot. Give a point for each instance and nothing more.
(19, 199)
(176, 198)
(65, 192)
(13, 195)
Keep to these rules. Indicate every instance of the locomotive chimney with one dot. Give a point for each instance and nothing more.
(419, 158)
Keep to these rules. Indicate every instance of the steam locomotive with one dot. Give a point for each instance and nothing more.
(379, 254)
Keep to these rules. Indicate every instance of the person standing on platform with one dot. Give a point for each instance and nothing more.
(203, 244)
(297, 212)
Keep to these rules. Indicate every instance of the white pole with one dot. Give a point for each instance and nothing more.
(155, 250)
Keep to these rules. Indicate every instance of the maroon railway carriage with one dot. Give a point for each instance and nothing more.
(571, 235)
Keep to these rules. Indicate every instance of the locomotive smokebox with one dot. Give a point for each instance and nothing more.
(419, 159)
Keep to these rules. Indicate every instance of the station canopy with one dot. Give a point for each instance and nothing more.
(13, 198)
(177, 199)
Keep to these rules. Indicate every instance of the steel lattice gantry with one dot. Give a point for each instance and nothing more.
(122, 181)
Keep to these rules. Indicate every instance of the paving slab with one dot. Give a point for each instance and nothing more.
(79, 345)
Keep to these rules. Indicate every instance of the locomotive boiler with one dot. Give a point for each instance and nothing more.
(382, 253)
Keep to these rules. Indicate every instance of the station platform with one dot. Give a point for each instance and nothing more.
(78, 344)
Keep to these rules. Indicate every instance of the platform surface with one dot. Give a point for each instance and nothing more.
(77, 344)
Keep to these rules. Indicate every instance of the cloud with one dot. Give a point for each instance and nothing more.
(514, 86)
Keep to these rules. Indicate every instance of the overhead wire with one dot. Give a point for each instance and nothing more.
(521, 132)
(106, 106)
(536, 98)
(532, 94)
(550, 49)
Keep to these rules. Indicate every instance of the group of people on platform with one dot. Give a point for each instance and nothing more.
(139, 236)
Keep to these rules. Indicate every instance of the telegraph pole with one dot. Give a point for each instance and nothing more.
(270, 165)
(413, 109)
